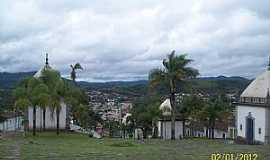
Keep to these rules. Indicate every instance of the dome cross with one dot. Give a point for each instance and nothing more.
(269, 64)
(47, 59)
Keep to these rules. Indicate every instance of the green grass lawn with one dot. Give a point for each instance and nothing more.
(76, 146)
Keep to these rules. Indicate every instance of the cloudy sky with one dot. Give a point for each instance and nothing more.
(124, 39)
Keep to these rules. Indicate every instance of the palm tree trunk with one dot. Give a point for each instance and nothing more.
(154, 130)
(16, 121)
(173, 116)
(124, 133)
(210, 129)
(44, 119)
(161, 130)
(207, 132)
(57, 120)
(144, 133)
(212, 132)
(213, 129)
(184, 128)
(34, 120)
(40, 119)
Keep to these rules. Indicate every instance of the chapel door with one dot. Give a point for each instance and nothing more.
(250, 130)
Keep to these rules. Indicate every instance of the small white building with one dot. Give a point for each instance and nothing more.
(12, 123)
(164, 124)
(50, 116)
(253, 110)
(199, 129)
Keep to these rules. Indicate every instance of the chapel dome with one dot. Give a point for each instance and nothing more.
(259, 87)
(46, 67)
(166, 107)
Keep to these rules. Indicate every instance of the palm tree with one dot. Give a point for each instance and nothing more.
(56, 89)
(43, 102)
(21, 105)
(73, 71)
(62, 91)
(190, 109)
(155, 114)
(56, 105)
(175, 70)
(26, 93)
(214, 111)
(42, 99)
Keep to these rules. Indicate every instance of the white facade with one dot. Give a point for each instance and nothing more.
(50, 118)
(259, 114)
(232, 132)
(164, 129)
(194, 133)
(11, 124)
(218, 133)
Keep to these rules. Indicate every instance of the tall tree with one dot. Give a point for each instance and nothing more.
(21, 105)
(215, 110)
(189, 109)
(27, 93)
(175, 70)
(73, 71)
(42, 99)
(57, 92)
(32, 95)
(62, 91)
(145, 113)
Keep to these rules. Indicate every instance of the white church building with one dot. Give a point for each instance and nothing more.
(164, 123)
(50, 115)
(253, 110)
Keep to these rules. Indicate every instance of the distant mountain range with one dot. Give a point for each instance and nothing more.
(208, 85)
(9, 80)
(205, 85)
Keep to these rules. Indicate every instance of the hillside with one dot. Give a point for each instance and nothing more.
(209, 85)
(9, 80)
(214, 85)
(128, 88)
(205, 85)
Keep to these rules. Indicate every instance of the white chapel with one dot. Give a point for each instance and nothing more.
(50, 116)
(253, 110)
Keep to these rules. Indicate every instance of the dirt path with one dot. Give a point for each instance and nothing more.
(10, 146)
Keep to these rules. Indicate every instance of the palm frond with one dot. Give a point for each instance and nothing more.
(156, 76)
(22, 103)
(78, 66)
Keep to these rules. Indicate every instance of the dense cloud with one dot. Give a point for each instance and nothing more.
(123, 40)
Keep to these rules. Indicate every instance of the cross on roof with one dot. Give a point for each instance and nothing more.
(47, 61)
